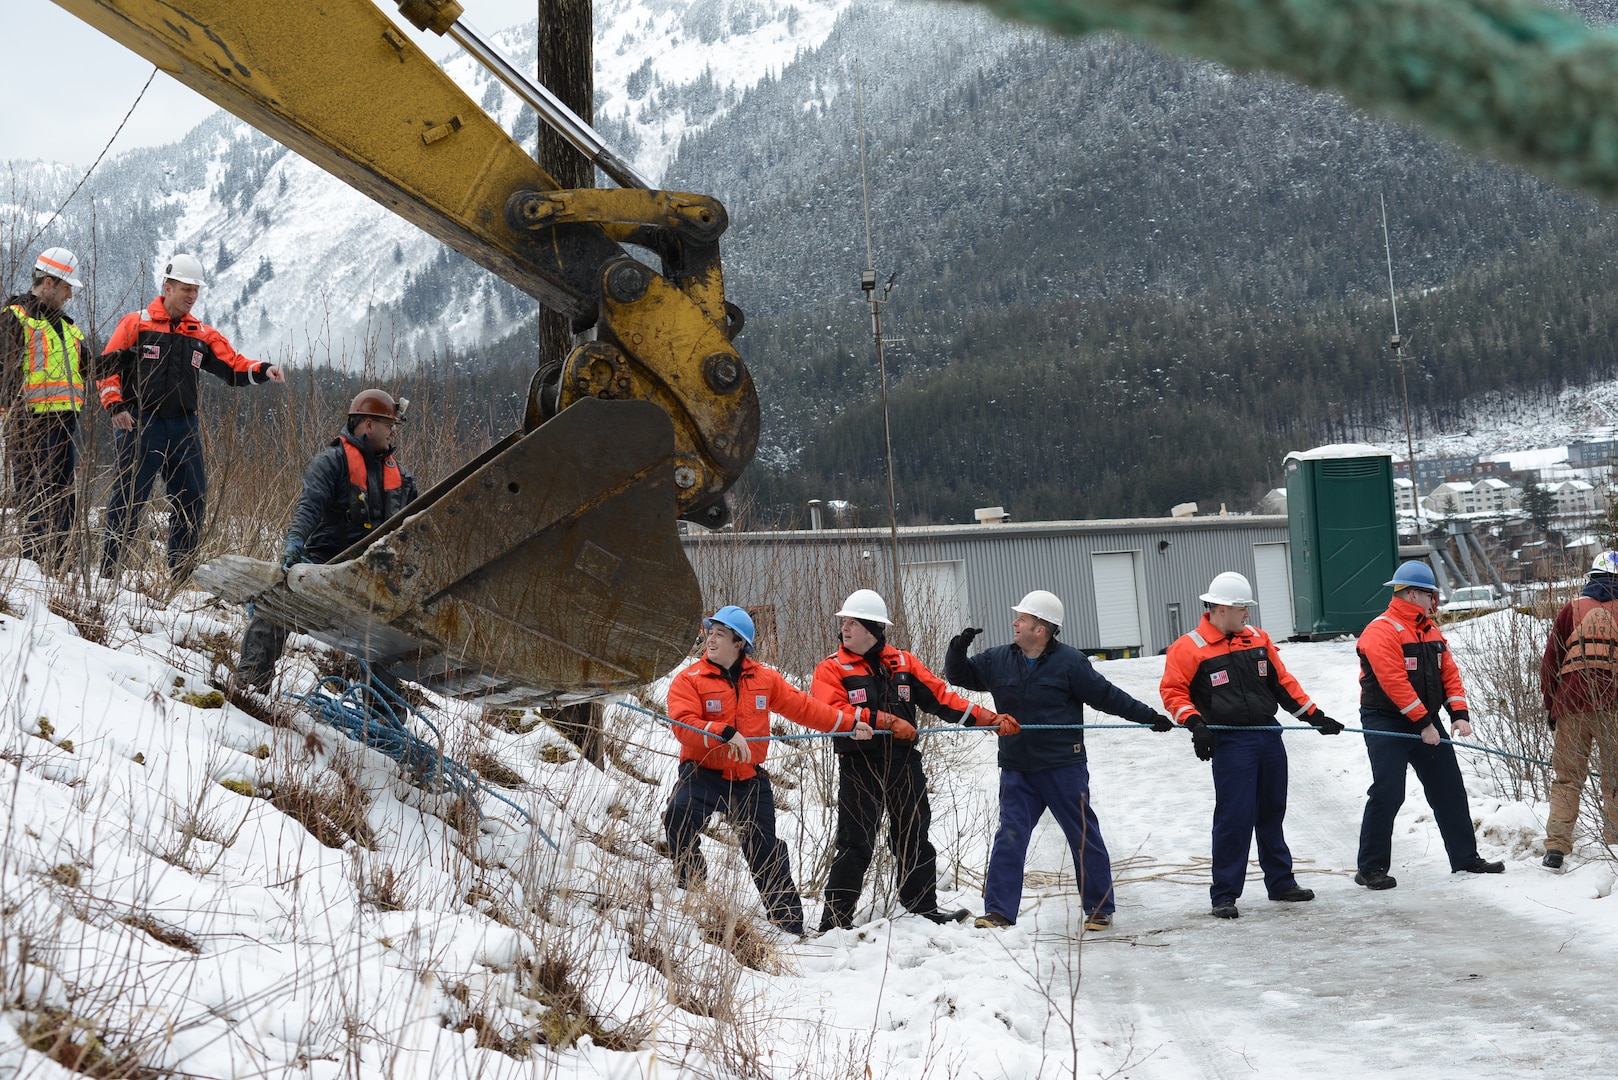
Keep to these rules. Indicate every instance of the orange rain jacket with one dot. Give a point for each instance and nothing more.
(703, 696)
(1406, 667)
(1234, 680)
(151, 362)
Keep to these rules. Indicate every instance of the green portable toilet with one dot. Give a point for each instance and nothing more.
(1344, 537)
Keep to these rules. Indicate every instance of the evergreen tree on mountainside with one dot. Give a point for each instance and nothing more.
(1125, 281)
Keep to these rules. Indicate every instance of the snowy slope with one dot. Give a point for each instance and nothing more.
(207, 932)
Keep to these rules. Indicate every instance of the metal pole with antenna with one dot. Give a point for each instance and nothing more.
(868, 286)
(1399, 355)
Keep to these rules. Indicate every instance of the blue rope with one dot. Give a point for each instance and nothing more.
(373, 715)
(955, 730)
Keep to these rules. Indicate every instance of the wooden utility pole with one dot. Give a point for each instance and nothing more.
(567, 69)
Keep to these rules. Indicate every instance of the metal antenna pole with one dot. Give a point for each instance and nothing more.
(1399, 355)
(868, 286)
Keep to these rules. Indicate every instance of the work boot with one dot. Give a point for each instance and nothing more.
(1480, 865)
(942, 917)
(1226, 910)
(1375, 880)
(1098, 920)
(1295, 895)
(992, 920)
(1552, 859)
(832, 920)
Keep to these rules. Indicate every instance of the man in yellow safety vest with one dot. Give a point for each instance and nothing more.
(41, 392)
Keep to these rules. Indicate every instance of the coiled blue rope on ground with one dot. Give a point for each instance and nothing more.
(374, 716)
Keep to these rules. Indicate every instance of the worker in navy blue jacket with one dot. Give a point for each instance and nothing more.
(1046, 685)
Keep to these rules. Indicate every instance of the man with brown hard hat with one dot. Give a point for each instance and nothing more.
(41, 393)
(349, 488)
(148, 383)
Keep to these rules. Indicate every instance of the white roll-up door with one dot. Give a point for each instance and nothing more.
(1117, 604)
(1273, 589)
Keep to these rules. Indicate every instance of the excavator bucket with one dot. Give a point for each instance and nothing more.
(549, 570)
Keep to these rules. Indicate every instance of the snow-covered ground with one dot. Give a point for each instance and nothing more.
(209, 933)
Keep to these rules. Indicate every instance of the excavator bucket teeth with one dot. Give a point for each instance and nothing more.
(548, 571)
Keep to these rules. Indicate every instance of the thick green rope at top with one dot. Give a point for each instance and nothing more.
(1509, 78)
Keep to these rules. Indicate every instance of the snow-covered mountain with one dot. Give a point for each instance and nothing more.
(302, 266)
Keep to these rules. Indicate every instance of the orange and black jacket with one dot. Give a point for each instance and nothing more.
(347, 492)
(1406, 667)
(722, 703)
(1582, 682)
(1230, 680)
(150, 364)
(892, 680)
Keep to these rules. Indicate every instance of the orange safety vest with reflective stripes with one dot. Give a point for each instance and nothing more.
(52, 379)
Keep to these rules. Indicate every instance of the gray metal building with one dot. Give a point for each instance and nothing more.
(1129, 586)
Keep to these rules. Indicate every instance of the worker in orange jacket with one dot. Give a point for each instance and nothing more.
(148, 385)
(1229, 675)
(728, 697)
(885, 777)
(1407, 674)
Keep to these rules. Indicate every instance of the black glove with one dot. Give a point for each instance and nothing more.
(1551, 720)
(293, 553)
(1460, 716)
(1326, 724)
(1160, 723)
(966, 636)
(1201, 738)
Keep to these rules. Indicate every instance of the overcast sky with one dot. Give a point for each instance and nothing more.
(93, 81)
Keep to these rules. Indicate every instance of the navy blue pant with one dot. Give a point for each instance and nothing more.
(43, 458)
(750, 807)
(1024, 798)
(1440, 776)
(171, 449)
(881, 775)
(1250, 796)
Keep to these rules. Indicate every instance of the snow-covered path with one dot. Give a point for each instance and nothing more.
(1446, 975)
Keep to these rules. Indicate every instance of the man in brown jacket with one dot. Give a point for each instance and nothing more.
(1579, 678)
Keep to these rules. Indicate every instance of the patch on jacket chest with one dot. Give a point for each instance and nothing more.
(150, 352)
(1412, 663)
(714, 705)
(196, 357)
(904, 692)
(856, 696)
(761, 702)
(1219, 678)
(1263, 668)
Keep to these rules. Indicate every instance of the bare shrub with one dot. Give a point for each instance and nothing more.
(82, 1045)
(172, 936)
(1502, 679)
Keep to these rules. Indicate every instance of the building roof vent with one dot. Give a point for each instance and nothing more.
(991, 515)
(1181, 510)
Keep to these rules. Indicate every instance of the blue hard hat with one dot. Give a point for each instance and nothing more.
(734, 617)
(1414, 574)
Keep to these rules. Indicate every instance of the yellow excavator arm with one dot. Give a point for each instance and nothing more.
(549, 569)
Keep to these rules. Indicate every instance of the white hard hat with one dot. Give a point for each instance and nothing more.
(1230, 589)
(1606, 563)
(1041, 605)
(59, 263)
(186, 269)
(865, 604)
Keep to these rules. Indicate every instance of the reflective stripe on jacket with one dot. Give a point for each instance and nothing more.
(52, 354)
(1406, 667)
(703, 696)
(1229, 679)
